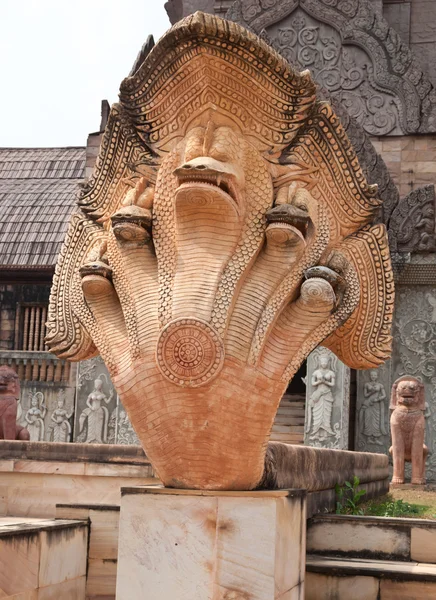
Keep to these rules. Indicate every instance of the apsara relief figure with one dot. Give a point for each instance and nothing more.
(60, 427)
(225, 233)
(408, 429)
(9, 396)
(372, 411)
(319, 423)
(35, 416)
(96, 415)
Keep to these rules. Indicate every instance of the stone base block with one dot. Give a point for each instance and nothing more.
(211, 545)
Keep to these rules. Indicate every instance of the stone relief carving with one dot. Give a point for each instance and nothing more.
(59, 428)
(94, 402)
(415, 354)
(412, 227)
(99, 413)
(346, 72)
(391, 78)
(232, 236)
(35, 416)
(120, 429)
(372, 409)
(327, 404)
(96, 415)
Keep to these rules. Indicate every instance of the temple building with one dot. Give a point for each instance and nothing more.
(375, 61)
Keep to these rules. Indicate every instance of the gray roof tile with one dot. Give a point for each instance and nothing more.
(38, 189)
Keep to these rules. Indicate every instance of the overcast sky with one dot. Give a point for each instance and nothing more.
(60, 58)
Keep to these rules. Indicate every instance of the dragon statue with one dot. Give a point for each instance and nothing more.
(225, 233)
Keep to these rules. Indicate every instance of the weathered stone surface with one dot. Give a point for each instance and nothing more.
(414, 327)
(218, 253)
(325, 587)
(423, 544)
(9, 395)
(408, 429)
(353, 537)
(412, 226)
(327, 401)
(372, 409)
(163, 535)
(315, 469)
(99, 415)
(390, 94)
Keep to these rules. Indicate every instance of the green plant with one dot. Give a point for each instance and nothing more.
(348, 497)
(395, 508)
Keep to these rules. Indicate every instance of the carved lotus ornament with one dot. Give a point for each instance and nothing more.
(224, 234)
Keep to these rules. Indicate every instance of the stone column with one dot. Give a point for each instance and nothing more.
(327, 401)
(211, 545)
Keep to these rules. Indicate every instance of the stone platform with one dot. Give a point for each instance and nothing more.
(42, 559)
(34, 477)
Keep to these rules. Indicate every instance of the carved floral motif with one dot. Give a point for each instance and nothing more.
(412, 227)
(388, 93)
(346, 72)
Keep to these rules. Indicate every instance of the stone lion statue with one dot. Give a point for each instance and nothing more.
(9, 394)
(408, 429)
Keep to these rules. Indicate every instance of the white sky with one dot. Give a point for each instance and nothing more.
(60, 58)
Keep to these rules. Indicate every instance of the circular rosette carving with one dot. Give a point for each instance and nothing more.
(190, 352)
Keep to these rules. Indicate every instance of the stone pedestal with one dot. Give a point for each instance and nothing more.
(179, 544)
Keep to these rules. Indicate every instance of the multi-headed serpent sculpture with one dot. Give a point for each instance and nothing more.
(224, 234)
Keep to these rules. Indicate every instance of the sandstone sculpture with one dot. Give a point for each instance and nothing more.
(408, 429)
(9, 394)
(372, 411)
(35, 416)
(226, 232)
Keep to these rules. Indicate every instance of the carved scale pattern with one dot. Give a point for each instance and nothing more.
(193, 285)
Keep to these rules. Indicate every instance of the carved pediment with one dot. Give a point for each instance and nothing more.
(353, 54)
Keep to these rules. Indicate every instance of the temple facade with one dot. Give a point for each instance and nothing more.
(376, 63)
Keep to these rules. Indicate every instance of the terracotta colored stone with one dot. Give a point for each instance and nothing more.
(9, 394)
(214, 250)
(408, 429)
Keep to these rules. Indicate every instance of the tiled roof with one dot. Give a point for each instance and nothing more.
(38, 188)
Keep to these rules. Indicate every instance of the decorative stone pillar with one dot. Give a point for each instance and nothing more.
(327, 401)
(372, 409)
(210, 545)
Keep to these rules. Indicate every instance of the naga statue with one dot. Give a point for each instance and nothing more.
(225, 233)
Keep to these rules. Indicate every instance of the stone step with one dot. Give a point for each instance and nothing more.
(372, 537)
(359, 579)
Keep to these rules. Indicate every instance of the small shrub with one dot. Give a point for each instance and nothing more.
(348, 498)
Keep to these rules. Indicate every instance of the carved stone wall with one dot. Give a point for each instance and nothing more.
(327, 401)
(46, 411)
(99, 417)
(382, 83)
(412, 225)
(372, 410)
